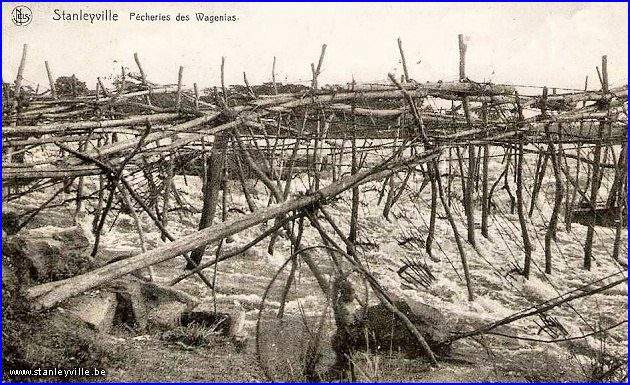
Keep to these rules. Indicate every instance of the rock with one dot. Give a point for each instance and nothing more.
(132, 308)
(54, 339)
(125, 223)
(166, 316)
(9, 279)
(10, 220)
(48, 253)
(97, 311)
(386, 331)
(143, 305)
(237, 325)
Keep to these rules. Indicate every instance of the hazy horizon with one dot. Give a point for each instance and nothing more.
(552, 44)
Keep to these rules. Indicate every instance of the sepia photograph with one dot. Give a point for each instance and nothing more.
(331, 192)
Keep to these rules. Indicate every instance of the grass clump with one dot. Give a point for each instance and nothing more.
(192, 335)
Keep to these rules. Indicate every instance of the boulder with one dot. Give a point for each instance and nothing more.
(132, 307)
(48, 253)
(9, 279)
(96, 310)
(143, 305)
(385, 330)
(10, 220)
(53, 339)
(166, 316)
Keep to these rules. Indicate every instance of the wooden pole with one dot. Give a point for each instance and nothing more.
(223, 89)
(19, 77)
(605, 74)
(196, 90)
(622, 200)
(318, 70)
(178, 103)
(402, 58)
(590, 231)
(273, 76)
(18, 88)
(553, 221)
(105, 92)
(137, 223)
(485, 202)
(462, 57)
(211, 193)
(249, 88)
(584, 291)
(470, 180)
(142, 74)
(166, 186)
(53, 89)
(527, 247)
(520, 209)
(354, 211)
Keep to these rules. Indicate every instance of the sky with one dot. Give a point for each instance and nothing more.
(538, 44)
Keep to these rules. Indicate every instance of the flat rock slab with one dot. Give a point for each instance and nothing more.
(97, 311)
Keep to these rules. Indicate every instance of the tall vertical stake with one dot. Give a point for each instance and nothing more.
(53, 90)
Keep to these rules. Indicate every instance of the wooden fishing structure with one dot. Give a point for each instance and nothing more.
(134, 139)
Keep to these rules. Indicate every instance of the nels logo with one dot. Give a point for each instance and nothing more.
(21, 15)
